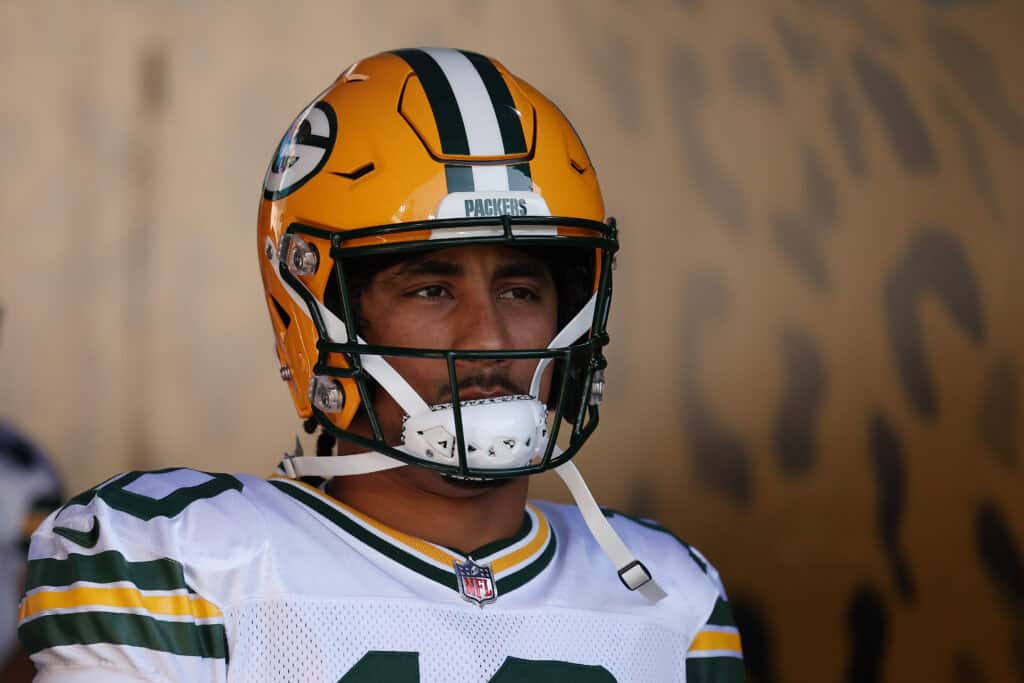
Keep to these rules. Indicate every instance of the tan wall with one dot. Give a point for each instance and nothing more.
(817, 336)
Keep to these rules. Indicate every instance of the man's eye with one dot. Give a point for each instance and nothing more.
(521, 293)
(430, 292)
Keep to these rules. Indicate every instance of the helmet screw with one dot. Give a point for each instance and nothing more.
(326, 394)
(305, 262)
(269, 251)
(302, 259)
(286, 373)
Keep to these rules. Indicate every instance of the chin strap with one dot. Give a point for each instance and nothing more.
(573, 330)
(296, 465)
(632, 572)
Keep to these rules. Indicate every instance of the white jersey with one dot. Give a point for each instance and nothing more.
(180, 575)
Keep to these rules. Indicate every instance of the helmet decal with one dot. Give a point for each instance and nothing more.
(475, 115)
(303, 151)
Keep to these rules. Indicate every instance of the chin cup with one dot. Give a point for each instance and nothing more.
(504, 432)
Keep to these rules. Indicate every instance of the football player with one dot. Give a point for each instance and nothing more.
(437, 267)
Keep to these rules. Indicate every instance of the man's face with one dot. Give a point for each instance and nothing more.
(464, 298)
(479, 298)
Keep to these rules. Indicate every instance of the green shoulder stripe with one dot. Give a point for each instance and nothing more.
(117, 496)
(114, 493)
(86, 628)
(715, 670)
(106, 567)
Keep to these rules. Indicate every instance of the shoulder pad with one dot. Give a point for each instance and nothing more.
(187, 515)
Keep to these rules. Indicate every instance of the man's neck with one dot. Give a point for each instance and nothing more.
(419, 502)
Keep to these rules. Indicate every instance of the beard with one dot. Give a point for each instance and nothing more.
(485, 380)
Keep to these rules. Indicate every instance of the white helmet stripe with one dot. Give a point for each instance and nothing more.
(478, 116)
(482, 131)
(490, 178)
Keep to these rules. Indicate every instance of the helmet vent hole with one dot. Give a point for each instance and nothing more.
(576, 167)
(286, 319)
(356, 174)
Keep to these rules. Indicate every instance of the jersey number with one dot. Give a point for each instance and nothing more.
(404, 667)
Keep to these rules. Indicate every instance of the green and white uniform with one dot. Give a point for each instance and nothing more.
(180, 575)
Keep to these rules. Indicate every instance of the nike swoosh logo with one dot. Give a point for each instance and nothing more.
(86, 539)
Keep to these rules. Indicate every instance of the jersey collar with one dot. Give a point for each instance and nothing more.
(513, 561)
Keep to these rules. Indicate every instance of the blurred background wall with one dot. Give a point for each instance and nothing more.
(817, 335)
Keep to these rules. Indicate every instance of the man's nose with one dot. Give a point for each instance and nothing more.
(481, 326)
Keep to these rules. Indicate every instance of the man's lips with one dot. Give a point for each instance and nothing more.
(474, 394)
(483, 388)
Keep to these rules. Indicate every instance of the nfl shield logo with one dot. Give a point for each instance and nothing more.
(476, 582)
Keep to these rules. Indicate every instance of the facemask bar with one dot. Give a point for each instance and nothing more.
(603, 238)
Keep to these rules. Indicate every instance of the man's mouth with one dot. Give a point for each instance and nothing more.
(475, 393)
(473, 482)
(481, 387)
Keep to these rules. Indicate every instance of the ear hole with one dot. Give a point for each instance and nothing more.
(332, 295)
(286, 319)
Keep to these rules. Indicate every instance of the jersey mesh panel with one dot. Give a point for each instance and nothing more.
(291, 640)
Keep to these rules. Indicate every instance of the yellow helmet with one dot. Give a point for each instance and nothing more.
(421, 149)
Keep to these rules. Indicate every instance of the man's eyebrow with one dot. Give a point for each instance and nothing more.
(428, 265)
(530, 268)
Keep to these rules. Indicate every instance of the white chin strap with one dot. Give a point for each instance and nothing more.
(632, 572)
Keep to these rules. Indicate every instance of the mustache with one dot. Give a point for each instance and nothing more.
(486, 381)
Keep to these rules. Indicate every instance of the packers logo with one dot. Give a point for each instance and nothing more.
(496, 206)
(303, 151)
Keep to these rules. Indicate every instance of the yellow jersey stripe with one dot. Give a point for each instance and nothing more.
(89, 596)
(418, 544)
(541, 535)
(425, 548)
(717, 640)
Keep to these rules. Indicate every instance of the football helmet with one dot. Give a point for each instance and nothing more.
(422, 149)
